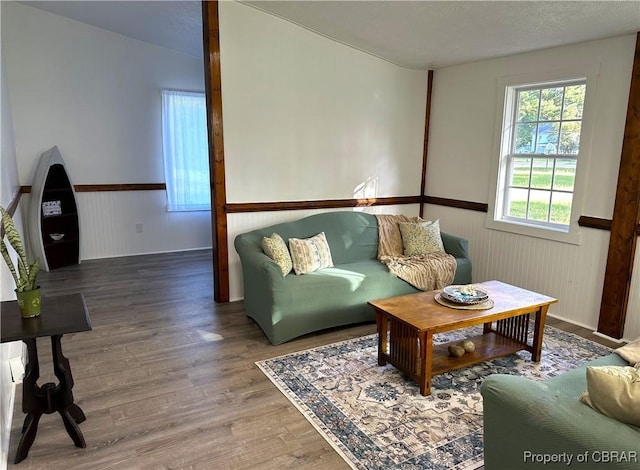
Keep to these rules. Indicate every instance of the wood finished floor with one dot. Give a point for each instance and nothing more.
(167, 377)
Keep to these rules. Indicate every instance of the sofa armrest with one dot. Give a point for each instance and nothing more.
(456, 246)
(254, 259)
(261, 278)
(525, 420)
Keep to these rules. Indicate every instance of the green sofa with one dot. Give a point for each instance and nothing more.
(291, 306)
(526, 422)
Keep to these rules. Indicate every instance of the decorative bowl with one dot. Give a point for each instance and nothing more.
(464, 294)
(56, 236)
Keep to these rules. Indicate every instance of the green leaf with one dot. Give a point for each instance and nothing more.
(34, 269)
(7, 259)
(26, 274)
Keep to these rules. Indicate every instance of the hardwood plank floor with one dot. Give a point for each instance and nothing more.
(167, 377)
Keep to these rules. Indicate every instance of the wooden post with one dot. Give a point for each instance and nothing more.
(213, 90)
(626, 215)
(425, 149)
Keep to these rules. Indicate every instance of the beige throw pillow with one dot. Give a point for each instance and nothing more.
(630, 352)
(276, 249)
(421, 238)
(310, 254)
(614, 391)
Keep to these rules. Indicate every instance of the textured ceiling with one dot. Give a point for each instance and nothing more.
(432, 34)
(422, 34)
(175, 25)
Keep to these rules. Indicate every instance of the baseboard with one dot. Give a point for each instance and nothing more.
(589, 327)
(615, 340)
(183, 250)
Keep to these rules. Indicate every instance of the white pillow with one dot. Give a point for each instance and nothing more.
(614, 391)
(310, 254)
(630, 352)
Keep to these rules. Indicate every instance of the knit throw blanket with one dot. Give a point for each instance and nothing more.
(424, 272)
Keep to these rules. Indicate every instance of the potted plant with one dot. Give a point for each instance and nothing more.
(25, 275)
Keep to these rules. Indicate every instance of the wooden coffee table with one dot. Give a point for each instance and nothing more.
(406, 325)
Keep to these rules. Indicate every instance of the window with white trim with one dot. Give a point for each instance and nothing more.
(185, 150)
(540, 153)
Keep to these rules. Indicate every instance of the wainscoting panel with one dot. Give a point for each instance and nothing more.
(632, 325)
(245, 222)
(123, 223)
(573, 274)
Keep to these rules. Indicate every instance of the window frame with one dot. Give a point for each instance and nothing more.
(505, 120)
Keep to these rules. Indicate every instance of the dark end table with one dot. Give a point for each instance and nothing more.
(60, 315)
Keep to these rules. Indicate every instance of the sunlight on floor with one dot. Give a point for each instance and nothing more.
(207, 336)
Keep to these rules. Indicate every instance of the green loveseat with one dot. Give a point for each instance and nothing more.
(291, 306)
(527, 423)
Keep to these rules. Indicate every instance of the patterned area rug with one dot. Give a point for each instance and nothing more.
(376, 418)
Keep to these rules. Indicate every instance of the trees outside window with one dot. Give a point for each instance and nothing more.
(541, 151)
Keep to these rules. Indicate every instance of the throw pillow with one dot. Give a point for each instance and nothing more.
(310, 254)
(615, 392)
(389, 237)
(276, 249)
(630, 352)
(421, 238)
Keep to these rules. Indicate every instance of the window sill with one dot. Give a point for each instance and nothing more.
(573, 236)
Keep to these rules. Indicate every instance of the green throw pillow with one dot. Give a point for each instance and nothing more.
(421, 238)
(276, 249)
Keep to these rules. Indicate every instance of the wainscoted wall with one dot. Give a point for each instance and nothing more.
(106, 230)
(464, 144)
(9, 186)
(240, 223)
(632, 325)
(573, 274)
(306, 118)
(96, 95)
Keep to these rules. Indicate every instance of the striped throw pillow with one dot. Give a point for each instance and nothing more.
(310, 254)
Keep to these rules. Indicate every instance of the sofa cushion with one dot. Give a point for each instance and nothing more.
(615, 392)
(421, 238)
(310, 254)
(351, 283)
(276, 249)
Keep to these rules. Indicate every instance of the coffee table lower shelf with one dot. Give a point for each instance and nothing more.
(488, 346)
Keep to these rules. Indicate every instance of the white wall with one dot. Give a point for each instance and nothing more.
(306, 118)
(96, 95)
(8, 189)
(461, 152)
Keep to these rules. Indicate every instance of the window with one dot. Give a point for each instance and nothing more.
(185, 151)
(540, 154)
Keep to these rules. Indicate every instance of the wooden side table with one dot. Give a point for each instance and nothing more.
(60, 315)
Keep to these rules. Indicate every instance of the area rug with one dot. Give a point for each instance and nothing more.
(375, 417)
